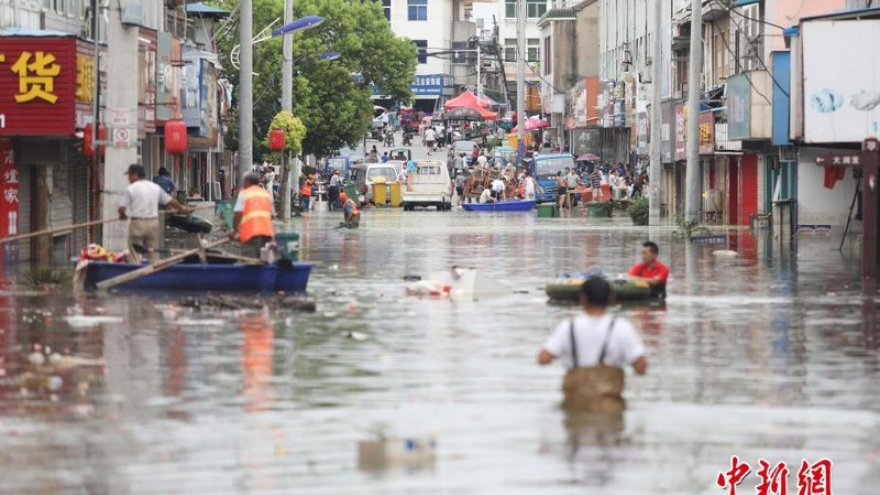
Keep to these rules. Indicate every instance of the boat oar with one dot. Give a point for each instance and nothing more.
(57, 230)
(157, 266)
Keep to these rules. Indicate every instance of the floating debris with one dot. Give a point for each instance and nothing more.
(295, 303)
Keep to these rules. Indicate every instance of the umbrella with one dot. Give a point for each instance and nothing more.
(463, 113)
(587, 157)
(533, 124)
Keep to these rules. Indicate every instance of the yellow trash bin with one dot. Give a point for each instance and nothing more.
(396, 197)
(380, 196)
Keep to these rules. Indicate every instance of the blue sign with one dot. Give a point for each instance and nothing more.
(430, 85)
(781, 98)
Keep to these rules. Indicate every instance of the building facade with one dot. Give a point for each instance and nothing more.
(52, 75)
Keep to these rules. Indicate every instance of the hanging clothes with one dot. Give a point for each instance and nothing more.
(833, 174)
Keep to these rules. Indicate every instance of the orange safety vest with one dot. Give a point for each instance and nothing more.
(354, 207)
(256, 219)
(306, 189)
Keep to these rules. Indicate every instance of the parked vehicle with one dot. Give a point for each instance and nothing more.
(544, 169)
(431, 186)
(340, 163)
(363, 176)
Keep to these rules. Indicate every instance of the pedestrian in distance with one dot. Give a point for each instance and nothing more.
(351, 214)
(164, 180)
(651, 269)
(335, 189)
(561, 190)
(305, 192)
(252, 221)
(595, 347)
(431, 139)
(140, 203)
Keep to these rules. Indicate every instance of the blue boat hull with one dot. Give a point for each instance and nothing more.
(517, 205)
(195, 277)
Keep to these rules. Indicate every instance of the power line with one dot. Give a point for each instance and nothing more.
(757, 55)
(749, 79)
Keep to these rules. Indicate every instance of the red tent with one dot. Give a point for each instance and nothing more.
(470, 100)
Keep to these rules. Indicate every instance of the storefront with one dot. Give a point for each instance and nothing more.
(46, 91)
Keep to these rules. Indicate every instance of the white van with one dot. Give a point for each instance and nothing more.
(365, 174)
(431, 186)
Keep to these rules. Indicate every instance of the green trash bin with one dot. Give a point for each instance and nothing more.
(548, 210)
(289, 242)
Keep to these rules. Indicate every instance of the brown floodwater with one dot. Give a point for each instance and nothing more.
(759, 356)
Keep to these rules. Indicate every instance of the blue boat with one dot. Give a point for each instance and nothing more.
(193, 276)
(512, 205)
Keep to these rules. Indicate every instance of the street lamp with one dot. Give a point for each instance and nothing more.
(242, 59)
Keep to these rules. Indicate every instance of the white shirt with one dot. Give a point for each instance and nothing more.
(498, 185)
(623, 348)
(485, 196)
(530, 187)
(142, 199)
(430, 135)
(482, 160)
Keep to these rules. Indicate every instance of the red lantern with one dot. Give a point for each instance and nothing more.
(276, 139)
(175, 137)
(88, 145)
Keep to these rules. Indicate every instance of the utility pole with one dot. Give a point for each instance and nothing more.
(692, 173)
(655, 185)
(521, 76)
(479, 71)
(122, 96)
(287, 105)
(246, 90)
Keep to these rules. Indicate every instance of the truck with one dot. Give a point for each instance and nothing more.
(431, 186)
(544, 169)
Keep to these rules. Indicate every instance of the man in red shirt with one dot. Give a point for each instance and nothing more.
(651, 269)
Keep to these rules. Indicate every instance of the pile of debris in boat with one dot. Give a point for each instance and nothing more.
(241, 302)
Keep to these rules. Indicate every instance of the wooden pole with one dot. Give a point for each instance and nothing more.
(57, 230)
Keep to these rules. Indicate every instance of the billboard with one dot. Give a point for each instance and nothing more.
(739, 107)
(38, 86)
(841, 91)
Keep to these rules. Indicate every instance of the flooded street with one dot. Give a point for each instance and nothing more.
(751, 356)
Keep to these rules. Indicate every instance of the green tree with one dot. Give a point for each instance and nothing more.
(294, 131)
(334, 107)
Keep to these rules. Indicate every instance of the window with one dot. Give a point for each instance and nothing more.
(510, 50)
(510, 9)
(386, 6)
(533, 50)
(535, 8)
(547, 58)
(422, 48)
(418, 10)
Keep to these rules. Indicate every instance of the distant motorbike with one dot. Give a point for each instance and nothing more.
(389, 140)
(407, 138)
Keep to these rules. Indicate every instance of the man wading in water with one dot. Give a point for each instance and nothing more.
(595, 347)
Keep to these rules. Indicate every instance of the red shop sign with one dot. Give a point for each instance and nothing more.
(37, 86)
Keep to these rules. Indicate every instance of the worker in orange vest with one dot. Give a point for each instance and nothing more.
(252, 222)
(350, 209)
(305, 192)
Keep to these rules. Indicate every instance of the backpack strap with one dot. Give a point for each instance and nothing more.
(605, 344)
(574, 352)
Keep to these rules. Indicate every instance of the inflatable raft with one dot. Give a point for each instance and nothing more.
(569, 289)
